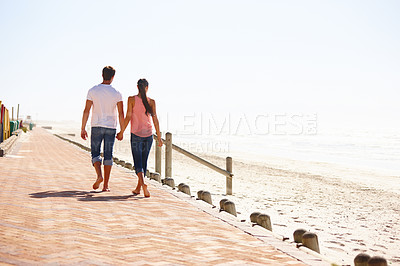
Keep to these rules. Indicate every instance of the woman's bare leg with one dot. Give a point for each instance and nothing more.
(145, 191)
(139, 184)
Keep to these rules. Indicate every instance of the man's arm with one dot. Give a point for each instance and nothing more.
(85, 118)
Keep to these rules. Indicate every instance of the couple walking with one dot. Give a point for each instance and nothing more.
(107, 108)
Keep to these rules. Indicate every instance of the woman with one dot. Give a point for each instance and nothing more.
(140, 109)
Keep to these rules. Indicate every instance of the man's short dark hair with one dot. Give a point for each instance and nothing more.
(108, 72)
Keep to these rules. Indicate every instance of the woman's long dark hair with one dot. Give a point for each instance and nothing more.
(142, 84)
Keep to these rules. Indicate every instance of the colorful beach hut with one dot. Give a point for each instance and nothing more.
(4, 123)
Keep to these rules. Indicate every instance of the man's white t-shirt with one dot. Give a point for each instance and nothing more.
(105, 99)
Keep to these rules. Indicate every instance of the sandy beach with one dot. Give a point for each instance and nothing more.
(349, 217)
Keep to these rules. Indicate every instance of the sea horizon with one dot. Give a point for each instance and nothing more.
(296, 136)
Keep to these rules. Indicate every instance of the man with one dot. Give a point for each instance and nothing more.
(105, 101)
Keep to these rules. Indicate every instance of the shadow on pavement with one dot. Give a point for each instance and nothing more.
(108, 198)
(80, 195)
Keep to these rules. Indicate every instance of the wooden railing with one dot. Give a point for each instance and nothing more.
(169, 146)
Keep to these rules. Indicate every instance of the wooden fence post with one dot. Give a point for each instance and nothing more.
(158, 157)
(229, 177)
(7, 124)
(168, 154)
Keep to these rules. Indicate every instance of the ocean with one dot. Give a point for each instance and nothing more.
(305, 139)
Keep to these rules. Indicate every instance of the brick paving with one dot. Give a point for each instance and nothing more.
(50, 215)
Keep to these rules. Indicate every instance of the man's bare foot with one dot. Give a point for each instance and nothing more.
(146, 191)
(96, 184)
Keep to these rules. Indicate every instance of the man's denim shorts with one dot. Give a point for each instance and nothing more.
(97, 136)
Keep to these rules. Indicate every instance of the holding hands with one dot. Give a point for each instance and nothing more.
(120, 136)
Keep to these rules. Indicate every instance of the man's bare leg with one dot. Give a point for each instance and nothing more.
(107, 172)
(97, 167)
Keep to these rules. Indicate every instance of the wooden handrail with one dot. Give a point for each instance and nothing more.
(197, 158)
(201, 160)
(168, 161)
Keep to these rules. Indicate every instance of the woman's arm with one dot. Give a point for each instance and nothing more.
(155, 122)
(131, 103)
(120, 107)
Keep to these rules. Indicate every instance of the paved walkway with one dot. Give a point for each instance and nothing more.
(50, 215)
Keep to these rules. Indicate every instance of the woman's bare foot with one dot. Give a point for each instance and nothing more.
(136, 191)
(96, 184)
(146, 191)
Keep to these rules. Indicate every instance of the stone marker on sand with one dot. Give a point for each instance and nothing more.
(155, 176)
(298, 234)
(186, 189)
(169, 182)
(264, 220)
(361, 259)
(310, 240)
(253, 217)
(377, 261)
(206, 196)
(128, 165)
(221, 204)
(180, 186)
(199, 193)
(229, 207)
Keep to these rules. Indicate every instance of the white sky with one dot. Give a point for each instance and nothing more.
(327, 57)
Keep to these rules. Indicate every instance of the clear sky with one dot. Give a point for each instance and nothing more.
(328, 57)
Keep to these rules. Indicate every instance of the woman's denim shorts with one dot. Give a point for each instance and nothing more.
(140, 151)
